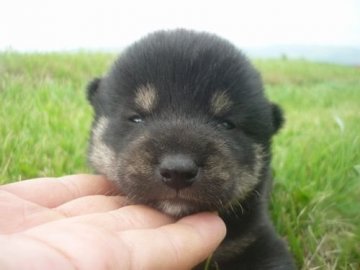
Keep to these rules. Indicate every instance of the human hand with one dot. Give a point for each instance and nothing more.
(73, 223)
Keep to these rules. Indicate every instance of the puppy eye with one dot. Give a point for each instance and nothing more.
(136, 119)
(226, 124)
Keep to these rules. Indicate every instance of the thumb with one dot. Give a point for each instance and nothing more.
(181, 245)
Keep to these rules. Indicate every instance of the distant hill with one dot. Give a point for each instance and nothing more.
(340, 55)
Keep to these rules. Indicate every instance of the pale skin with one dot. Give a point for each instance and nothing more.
(73, 222)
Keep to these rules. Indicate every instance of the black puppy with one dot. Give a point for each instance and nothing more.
(182, 125)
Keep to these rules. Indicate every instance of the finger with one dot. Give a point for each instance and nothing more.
(177, 246)
(51, 192)
(18, 252)
(130, 217)
(182, 245)
(91, 204)
(21, 214)
(70, 239)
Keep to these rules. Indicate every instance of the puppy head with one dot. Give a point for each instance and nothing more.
(181, 123)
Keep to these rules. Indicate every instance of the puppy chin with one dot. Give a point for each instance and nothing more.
(177, 208)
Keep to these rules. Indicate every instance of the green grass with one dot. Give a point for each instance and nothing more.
(44, 122)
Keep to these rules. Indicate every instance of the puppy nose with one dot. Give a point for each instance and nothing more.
(178, 171)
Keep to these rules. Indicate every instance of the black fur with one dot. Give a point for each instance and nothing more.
(92, 89)
(179, 156)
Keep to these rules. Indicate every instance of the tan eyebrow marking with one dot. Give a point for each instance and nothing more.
(146, 97)
(220, 102)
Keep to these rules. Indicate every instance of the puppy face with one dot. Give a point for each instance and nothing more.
(181, 123)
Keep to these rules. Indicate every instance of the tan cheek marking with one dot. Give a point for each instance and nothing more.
(101, 156)
(218, 169)
(136, 160)
(146, 97)
(251, 177)
(220, 102)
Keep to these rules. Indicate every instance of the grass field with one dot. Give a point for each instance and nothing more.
(44, 122)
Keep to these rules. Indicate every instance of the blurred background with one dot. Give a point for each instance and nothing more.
(322, 30)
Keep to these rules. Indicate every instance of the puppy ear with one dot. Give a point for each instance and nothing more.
(92, 89)
(277, 116)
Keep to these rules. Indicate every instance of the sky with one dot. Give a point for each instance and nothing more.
(49, 25)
